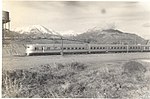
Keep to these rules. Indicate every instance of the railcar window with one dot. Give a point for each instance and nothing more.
(103, 47)
(76, 48)
(36, 48)
(83, 48)
(117, 47)
(146, 47)
(72, 48)
(130, 47)
(91, 47)
(64, 48)
(55, 47)
(111, 48)
(120, 47)
(68, 48)
(94, 47)
(79, 48)
(138, 47)
(124, 47)
(48, 48)
(97, 47)
(114, 47)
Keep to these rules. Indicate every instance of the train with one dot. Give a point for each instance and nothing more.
(60, 49)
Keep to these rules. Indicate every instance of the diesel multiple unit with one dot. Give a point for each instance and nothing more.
(37, 49)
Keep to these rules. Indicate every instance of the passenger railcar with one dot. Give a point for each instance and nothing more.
(33, 49)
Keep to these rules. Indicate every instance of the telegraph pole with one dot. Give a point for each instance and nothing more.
(62, 48)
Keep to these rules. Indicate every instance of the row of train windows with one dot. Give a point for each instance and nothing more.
(72, 48)
(54, 48)
(97, 47)
(82, 48)
(135, 47)
(110, 47)
(147, 47)
(75, 48)
(118, 47)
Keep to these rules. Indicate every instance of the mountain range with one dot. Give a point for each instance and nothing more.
(36, 31)
(110, 36)
(94, 35)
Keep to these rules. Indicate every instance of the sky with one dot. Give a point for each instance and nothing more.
(77, 17)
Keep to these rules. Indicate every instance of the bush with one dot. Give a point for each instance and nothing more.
(133, 67)
(134, 70)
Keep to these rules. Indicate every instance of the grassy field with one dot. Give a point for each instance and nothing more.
(75, 79)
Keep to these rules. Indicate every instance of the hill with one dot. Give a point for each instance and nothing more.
(34, 31)
(110, 36)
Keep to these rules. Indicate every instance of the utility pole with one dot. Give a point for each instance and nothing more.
(62, 48)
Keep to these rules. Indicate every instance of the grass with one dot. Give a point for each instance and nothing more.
(77, 80)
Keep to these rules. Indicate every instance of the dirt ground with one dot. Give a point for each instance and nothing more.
(12, 62)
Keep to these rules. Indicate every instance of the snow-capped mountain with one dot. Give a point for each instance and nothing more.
(110, 36)
(35, 29)
(102, 27)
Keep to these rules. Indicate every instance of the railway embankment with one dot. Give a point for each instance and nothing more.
(13, 48)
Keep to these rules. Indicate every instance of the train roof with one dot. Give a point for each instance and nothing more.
(81, 45)
(55, 44)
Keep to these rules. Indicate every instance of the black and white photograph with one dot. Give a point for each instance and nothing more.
(75, 49)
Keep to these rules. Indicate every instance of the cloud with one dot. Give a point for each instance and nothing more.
(68, 32)
(79, 16)
(146, 25)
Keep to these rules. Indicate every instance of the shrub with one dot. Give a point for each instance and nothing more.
(134, 70)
